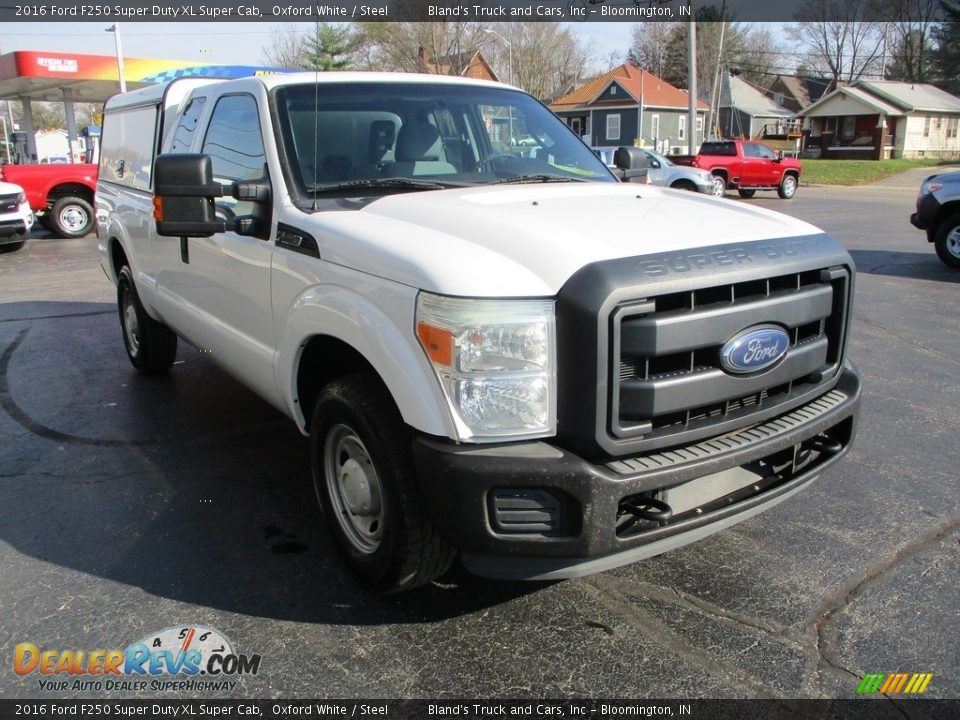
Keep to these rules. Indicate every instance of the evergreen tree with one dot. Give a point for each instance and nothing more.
(330, 48)
(946, 56)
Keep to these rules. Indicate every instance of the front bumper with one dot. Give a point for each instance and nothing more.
(927, 208)
(776, 458)
(16, 229)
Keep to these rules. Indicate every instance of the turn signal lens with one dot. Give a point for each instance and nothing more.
(158, 208)
(437, 342)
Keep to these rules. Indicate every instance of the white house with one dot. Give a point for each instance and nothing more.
(882, 119)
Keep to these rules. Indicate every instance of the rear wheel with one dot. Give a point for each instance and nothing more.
(719, 185)
(151, 345)
(364, 479)
(747, 193)
(947, 241)
(684, 185)
(788, 187)
(71, 217)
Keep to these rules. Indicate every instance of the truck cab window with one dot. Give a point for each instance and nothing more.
(235, 145)
(183, 135)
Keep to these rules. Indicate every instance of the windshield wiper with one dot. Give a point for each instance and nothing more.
(537, 178)
(399, 182)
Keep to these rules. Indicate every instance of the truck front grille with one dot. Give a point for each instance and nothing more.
(9, 203)
(667, 383)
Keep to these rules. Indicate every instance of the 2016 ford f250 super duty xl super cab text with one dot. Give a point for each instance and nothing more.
(495, 347)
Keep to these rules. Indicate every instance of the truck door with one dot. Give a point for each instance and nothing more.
(222, 284)
(759, 168)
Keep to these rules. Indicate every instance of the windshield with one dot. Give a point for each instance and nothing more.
(346, 137)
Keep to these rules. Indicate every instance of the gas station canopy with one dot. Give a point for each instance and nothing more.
(43, 76)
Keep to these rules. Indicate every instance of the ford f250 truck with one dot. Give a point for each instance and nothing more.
(510, 356)
(60, 195)
(745, 166)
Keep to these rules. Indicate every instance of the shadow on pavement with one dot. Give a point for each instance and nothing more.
(913, 265)
(187, 485)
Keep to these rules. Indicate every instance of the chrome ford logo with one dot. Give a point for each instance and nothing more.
(754, 349)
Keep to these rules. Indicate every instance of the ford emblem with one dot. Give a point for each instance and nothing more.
(754, 349)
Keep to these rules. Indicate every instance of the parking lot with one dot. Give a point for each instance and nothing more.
(132, 504)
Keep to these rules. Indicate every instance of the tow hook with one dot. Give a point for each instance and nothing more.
(823, 444)
(648, 508)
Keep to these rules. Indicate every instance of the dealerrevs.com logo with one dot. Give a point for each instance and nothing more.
(188, 658)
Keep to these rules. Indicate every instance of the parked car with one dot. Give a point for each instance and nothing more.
(60, 195)
(662, 171)
(938, 212)
(745, 166)
(517, 358)
(16, 217)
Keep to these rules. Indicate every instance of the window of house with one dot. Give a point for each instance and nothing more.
(849, 123)
(682, 128)
(700, 127)
(952, 124)
(613, 89)
(655, 126)
(926, 126)
(613, 127)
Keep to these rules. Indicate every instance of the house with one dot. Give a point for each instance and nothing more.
(877, 119)
(471, 64)
(627, 105)
(744, 111)
(795, 92)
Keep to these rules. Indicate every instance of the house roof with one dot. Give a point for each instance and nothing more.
(912, 96)
(805, 90)
(637, 82)
(471, 62)
(741, 95)
(890, 98)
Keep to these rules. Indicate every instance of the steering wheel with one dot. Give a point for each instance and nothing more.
(487, 162)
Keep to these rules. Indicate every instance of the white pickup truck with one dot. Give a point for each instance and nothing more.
(496, 347)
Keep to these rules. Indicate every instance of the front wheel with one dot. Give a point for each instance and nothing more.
(788, 187)
(151, 345)
(747, 193)
(947, 241)
(719, 185)
(364, 479)
(71, 217)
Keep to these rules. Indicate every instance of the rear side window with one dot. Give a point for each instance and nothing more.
(129, 146)
(183, 135)
(719, 148)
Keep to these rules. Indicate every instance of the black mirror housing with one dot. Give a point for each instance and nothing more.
(630, 158)
(184, 192)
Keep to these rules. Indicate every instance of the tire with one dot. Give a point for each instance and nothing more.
(788, 187)
(747, 193)
(684, 185)
(947, 241)
(46, 220)
(71, 217)
(151, 345)
(364, 479)
(13, 245)
(719, 185)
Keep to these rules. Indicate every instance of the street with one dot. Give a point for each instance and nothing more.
(133, 504)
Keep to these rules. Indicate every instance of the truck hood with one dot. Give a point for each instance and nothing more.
(527, 240)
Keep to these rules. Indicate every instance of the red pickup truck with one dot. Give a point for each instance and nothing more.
(745, 166)
(60, 195)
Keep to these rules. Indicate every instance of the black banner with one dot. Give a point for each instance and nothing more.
(878, 707)
(439, 10)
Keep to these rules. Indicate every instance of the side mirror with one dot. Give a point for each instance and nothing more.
(779, 155)
(631, 164)
(184, 195)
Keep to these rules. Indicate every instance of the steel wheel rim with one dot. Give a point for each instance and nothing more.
(73, 217)
(953, 242)
(131, 326)
(789, 186)
(354, 488)
(718, 187)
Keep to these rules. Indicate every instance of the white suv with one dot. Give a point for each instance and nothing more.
(16, 217)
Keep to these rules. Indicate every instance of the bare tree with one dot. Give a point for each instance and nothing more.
(433, 47)
(840, 44)
(907, 27)
(287, 47)
(651, 46)
(545, 56)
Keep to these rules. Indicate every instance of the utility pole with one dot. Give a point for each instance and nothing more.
(115, 29)
(692, 79)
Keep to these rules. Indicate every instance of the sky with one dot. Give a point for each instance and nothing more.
(226, 43)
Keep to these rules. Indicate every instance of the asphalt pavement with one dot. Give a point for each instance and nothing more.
(129, 505)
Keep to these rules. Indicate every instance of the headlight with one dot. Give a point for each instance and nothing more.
(21, 198)
(496, 362)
